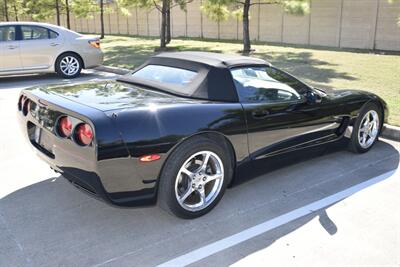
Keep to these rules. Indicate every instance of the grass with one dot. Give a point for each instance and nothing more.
(377, 73)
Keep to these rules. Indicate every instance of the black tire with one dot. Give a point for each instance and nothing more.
(354, 144)
(59, 68)
(167, 199)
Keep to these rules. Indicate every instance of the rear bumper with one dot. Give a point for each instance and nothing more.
(107, 174)
(92, 58)
(91, 183)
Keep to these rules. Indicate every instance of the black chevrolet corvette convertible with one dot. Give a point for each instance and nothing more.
(175, 130)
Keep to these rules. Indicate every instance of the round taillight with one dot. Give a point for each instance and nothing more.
(26, 107)
(64, 126)
(84, 134)
(20, 102)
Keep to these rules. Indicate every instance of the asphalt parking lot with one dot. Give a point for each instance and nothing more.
(316, 208)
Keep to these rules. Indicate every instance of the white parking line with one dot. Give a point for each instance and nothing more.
(259, 229)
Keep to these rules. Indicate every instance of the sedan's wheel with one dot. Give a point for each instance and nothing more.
(366, 129)
(199, 180)
(194, 178)
(68, 65)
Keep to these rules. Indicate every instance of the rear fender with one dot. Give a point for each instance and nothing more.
(159, 131)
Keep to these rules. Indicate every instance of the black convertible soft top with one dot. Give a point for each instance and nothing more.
(213, 81)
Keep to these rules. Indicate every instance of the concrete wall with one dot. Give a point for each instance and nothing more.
(365, 24)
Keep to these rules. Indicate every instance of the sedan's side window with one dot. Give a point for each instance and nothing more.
(7, 33)
(52, 35)
(265, 84)
(37, 33)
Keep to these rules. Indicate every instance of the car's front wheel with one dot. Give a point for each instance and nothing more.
(366, 129)
(194, 178)
(68, 65)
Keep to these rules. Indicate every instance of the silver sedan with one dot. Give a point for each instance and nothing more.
(29, 47)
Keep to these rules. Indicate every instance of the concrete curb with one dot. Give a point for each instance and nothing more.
(389, 131)
(115, 70)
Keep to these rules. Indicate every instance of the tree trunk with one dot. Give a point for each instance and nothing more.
(58, 12)
(68, 15)
(102, 19)
(246, 31)
(168, 33)
(5, 10)
(163, 43)
(16, 12)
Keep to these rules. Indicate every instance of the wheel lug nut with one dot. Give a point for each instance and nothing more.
(199, 186)
(204, 178)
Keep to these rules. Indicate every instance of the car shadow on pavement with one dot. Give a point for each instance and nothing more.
(50, 223)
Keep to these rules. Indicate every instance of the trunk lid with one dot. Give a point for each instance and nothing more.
(113, 95)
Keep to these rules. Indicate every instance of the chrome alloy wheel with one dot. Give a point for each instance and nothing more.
(369, 129)
(69, 65)
(199, 181)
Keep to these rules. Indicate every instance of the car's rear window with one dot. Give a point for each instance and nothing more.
(165, 74)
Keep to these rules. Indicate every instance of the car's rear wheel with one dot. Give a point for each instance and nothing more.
(366, 129)
(69, 65)
(194, 178)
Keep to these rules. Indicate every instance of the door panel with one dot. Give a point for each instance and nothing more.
(38, 47)
(9, 49)
(278, 112)
(286, 125)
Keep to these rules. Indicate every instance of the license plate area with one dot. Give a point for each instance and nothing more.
(40, 139)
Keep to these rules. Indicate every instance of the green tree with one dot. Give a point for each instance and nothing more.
(86, 8)
(58, 12)
(164, 7)
(102, 18)
(4, 10)
(61, 7)
(11, 10)
(39, 10)
(68, 13)
(220, 10)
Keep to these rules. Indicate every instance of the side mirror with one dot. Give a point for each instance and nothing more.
(313, 98)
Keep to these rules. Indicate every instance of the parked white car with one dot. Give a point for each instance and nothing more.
(29, 47)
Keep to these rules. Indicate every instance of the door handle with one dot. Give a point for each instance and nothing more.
(54, 44)
(260, 114)
(12, 47)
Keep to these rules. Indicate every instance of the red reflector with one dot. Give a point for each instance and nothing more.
(84, 134)
(65, 127)
(149, 158)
